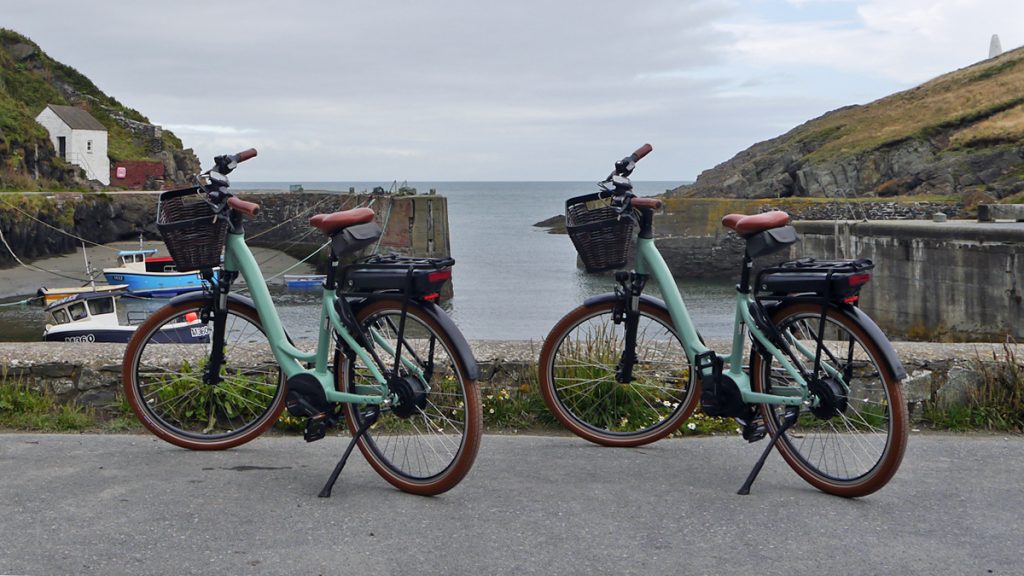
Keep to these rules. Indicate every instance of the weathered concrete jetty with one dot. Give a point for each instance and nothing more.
(955, 280)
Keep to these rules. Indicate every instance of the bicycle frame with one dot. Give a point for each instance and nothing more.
(239, 258)
(649, 261)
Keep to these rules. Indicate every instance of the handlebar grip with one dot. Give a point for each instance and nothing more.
(640, 152)
(247, 208)
(245, 155)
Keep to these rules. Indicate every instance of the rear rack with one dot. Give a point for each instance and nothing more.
(413, 276)
(827, 278)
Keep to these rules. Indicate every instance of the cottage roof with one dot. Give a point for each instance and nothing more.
(76, 118)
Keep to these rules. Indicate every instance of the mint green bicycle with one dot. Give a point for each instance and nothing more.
(820, 378)
(388, 361)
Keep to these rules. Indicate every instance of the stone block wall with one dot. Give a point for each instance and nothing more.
(91, 373)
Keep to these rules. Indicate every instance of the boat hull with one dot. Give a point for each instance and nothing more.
(154, 283)
(180, 334)
(304, 281)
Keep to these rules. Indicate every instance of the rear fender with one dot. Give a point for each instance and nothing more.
(462, 349)
(875, 333)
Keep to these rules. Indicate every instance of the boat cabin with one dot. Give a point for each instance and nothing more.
(81, 307)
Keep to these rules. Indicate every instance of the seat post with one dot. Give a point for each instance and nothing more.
(330, 282)
(748, 265)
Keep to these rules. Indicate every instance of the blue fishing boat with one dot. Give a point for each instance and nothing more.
(149, 276)
(304, 281)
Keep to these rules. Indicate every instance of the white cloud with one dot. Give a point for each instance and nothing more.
(463, 89)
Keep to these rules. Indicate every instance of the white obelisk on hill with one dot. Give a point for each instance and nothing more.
(994, 47)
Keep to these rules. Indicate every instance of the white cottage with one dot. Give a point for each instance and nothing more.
(79, 139)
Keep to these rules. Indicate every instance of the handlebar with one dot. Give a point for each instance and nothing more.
(247, 208)
(251, 153)
(624, 167)
(619, 178)
(217, 190)
(636, 156)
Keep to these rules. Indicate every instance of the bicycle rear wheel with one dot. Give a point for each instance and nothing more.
(578, 365)
(426, 442)
(852, 443)
(163, 370)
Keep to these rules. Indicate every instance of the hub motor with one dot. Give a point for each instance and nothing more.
(831, 395)
(410, 393)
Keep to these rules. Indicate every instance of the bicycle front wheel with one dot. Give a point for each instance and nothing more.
(578, 364)
(163, 374)
(853, 441)
(426, 440)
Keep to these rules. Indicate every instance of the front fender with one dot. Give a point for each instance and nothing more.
(201, 295)
(611, 296)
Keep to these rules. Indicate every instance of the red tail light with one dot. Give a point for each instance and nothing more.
(431, 297)
(851, 299)
(858, 279)
(439, 276)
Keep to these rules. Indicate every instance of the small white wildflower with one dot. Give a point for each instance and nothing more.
(691, 426)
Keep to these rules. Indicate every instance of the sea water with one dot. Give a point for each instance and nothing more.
(512, 280)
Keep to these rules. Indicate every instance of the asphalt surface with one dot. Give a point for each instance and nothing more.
(105, 504)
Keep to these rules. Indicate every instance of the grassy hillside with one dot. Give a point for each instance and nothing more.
(961, 132)
(29, 80)
(977, 106)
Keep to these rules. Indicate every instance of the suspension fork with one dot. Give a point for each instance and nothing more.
(631, 286)
(221, 286)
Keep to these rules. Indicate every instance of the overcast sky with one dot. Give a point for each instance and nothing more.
(514, 90)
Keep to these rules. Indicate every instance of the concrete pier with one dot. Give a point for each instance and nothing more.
(952, 281)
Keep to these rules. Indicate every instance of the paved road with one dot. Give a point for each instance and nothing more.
(532, 505)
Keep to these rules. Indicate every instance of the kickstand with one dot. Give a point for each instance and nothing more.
(788, 420)
(370, 419)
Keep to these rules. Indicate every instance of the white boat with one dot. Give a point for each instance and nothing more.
(92, 317)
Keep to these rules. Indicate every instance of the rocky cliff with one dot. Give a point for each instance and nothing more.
(29, 80)
(960, 134)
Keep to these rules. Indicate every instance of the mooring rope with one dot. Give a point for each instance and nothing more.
(34, 267)
(51, 226)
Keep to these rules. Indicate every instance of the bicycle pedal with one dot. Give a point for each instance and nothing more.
(754, 430)
(316, 427)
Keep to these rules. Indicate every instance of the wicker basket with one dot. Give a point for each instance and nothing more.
(602, 237)
(186, 222)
